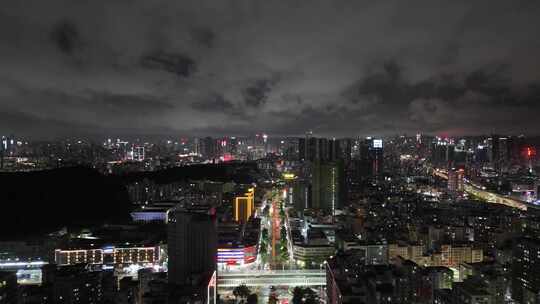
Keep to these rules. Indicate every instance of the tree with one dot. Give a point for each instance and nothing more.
(241, 291)
(252, 299)
(263, 247)
(285, 255)
(283, 232)
(264, 234)
(311, 296)
(298, 295)
(283, 245)
(263, 251)
(304, 296)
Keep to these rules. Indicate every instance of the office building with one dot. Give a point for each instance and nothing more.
(138, 153)
(494, 155)
(455, 180)
(108, 256)
(453, 255)
(328, 184)
(192, 244)
(244, 206)
(300, 191)
(74, 284)
(208, 148)
(470, 294)
(526, 270)
(376, 156)
(309, 253)
(369, 162)
(8, 287)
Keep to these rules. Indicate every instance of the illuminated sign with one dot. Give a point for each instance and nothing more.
(251, 192)
(529, 152)
(108, 249)
(289, 176)
(212, 290)
(377, 143)
(237, 256)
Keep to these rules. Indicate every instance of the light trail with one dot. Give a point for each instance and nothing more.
(489, 197)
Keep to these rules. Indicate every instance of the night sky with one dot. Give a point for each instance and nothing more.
(215, 67)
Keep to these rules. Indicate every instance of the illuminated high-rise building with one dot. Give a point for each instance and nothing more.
(314, 149)
(334, 149)
(328, 183)
(301, 194)
(455, 180)
(138, 153)
(442, 153)
(323, 149)
(376, 156)
(302, 149)
(371, 156)
(345, 150)
(208, 148)
(244, 206)
(494, 155)
(525, 269)
(311, 149)
(197, 146)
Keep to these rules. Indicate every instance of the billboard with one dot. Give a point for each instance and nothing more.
(377, 143)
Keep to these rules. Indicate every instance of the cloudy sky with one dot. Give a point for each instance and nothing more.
(339, 68)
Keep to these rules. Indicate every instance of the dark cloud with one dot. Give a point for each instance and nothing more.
(348, 68)
(178, 64)
(256, 94)
(14, 122)
(31, 125)
(122, 103)
(203, 36)
(66, 37)
(390, 87)
(102, 110)
(215, 103)
(386, 86)
(482, 100)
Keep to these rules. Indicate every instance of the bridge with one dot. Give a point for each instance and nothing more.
(265, 278)
(487, 195)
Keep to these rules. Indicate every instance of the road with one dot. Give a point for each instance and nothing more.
(273, 276)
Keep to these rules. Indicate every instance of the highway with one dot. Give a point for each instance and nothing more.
(489, 197)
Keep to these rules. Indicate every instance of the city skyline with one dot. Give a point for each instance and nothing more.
(279, 152)
(236, 67)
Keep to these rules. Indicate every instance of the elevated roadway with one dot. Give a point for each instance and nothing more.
(488, 196)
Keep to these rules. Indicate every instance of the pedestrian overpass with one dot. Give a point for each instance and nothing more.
(261, 278)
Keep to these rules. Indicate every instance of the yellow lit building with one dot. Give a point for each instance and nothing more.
(244, 206)
(107, 255)
(395, 250)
